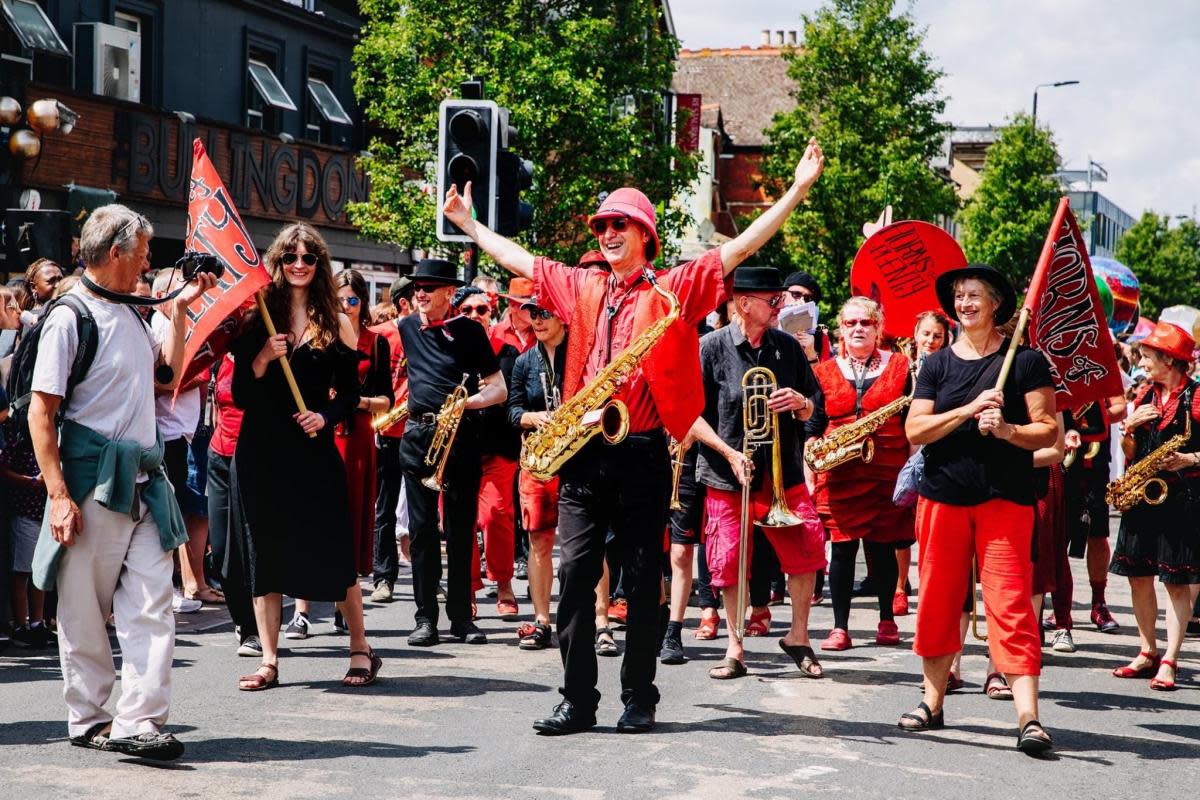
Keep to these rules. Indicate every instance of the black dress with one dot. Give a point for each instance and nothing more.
(1164, 540)
(290, 488)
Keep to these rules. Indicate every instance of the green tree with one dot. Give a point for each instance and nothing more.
(1166, 261)
(584, 81)
(868, 91)
(1006, 220)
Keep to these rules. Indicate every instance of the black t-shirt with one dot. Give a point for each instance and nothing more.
(438, 357)
(964, 468)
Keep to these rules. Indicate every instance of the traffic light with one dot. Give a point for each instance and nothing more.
(513, 176)
(468, 136)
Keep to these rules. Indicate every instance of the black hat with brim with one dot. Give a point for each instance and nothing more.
(981, 272)
(807, 281)
(435, 270)
(757, 279)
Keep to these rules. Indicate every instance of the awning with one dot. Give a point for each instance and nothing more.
(33, 27)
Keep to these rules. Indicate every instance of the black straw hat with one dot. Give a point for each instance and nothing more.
(757, 279)
(435, 270)
(982, 272)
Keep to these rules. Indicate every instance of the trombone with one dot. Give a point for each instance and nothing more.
(760, 427)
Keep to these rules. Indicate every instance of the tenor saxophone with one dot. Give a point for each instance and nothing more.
(851, 441)
(449, 417)
(592, 410)
(1140, 479)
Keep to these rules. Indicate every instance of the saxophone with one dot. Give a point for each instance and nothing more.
(398, 413)
(851, 441)
(1136, 484)
(593, 410)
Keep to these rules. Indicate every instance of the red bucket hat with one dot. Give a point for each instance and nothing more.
(629, 202)
(1171, 340)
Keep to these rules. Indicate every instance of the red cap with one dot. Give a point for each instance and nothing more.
(1171, 340)
(629, 202)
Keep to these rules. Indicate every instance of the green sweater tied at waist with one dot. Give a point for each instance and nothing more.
(90, 462)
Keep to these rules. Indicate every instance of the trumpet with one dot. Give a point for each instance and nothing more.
(760, 427)
(449, 417)
(678, 452)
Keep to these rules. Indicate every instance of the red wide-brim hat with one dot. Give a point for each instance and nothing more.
(1171, 340)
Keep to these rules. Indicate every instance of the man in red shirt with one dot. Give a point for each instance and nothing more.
(389, 478)
(625, 487)
(516, 328)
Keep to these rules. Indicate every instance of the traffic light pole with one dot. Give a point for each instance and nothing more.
(472, 267)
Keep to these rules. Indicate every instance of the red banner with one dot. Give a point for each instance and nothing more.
(215, 227)
(1067, 321)
(689, 130)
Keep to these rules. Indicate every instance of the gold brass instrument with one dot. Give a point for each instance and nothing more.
(1092, 451)
(851, 441)
(593, 410)
(449, 417)
(760, 428)
(396, 415)
(677, 452)
(1136, 484)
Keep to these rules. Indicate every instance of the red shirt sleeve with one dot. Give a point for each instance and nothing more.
(701, 285)
(556, 286)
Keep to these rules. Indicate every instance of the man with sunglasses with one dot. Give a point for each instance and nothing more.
(625, 487)
(441, 349)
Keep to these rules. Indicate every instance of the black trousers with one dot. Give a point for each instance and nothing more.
(225, 557)
(624, 488)
(841, 577)
(389, 479)
(459, 511)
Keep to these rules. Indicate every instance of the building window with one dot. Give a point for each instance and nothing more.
(129, 22)
(33, 27)
(323, 108)
(265, 96)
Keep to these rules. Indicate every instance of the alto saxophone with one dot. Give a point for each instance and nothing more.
(449, 417)
(396, 415)
(593, 410)
(1136, 484)
(851, 441)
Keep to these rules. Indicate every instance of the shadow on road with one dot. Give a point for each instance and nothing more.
(242, 749)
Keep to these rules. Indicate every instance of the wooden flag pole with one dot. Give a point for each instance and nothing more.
(283, 362)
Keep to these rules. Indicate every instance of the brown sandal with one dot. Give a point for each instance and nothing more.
(257, 681)
(357, 677)
(728, 669)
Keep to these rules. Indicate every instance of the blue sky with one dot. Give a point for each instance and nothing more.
(1136, 110)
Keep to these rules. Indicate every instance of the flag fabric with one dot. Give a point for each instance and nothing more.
(214, 226)
(1066, 318)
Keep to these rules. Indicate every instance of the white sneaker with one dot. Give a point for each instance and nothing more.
(1063, 643)
(182, 605)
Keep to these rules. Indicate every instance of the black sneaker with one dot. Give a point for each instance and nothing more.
(297, 628)
(339, 623)
(467, 632)
(154, 746)
(672, 650)
(250, 647)
(24, 636)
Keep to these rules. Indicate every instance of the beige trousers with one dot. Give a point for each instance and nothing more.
(117, 566)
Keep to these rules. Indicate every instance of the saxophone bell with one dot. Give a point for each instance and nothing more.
(1160, 491)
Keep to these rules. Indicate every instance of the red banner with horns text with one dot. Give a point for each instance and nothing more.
(214, 226)
(1067, 322)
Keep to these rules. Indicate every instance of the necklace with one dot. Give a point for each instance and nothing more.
(866, 365)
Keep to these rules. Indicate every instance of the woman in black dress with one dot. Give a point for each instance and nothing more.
(291, 484)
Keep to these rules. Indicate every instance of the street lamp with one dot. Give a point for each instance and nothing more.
(1043, 86)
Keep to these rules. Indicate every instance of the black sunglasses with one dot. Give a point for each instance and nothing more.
(619, 224)
(540, 313)
(309, 259)
(470, 311)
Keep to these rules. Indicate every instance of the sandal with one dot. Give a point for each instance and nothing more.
(1034, 742)
(257, 681)
(728, 669)
(534, 636)
(707, 629)
(94, 738)
(954, 683)
(358, 677)
(929, 722)
(760, 623)
(1161, 685)
(606, 645)
(207, 595)
(507, 610)
(996, 687)
(1146, 671)
(805, 658)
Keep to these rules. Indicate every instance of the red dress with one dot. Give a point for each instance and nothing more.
(356, 442)
(855, 499)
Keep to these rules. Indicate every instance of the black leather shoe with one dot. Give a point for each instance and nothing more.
(424, 636)
(467, 632)
(636, 719)
(565, 719)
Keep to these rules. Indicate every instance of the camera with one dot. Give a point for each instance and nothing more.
(193, 263)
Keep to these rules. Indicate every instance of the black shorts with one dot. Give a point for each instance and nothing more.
(688, 522)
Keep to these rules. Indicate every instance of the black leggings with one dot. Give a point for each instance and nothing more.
(841, 577)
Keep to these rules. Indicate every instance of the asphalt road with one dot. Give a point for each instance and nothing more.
(454, 722)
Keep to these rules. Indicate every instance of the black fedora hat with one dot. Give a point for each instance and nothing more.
(757, 279)
(982, 272)
(435, 270)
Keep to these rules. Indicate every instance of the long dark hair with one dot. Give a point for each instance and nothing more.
(354, 279)
(322, 308)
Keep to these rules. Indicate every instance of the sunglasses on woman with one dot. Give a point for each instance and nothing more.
(473, 311)
(619, 224)
(350, 301)
(309, 259)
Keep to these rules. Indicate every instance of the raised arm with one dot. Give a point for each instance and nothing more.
(504, 251)
(751, 240)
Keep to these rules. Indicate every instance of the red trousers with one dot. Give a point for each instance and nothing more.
(999, 534)
(496, 520)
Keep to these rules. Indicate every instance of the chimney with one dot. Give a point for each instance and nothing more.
(792, 38)
(779, 38)
(766, 37)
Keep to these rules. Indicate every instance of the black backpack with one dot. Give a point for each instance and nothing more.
(20, 376)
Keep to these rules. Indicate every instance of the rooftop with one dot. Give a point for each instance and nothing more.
(749, 83)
